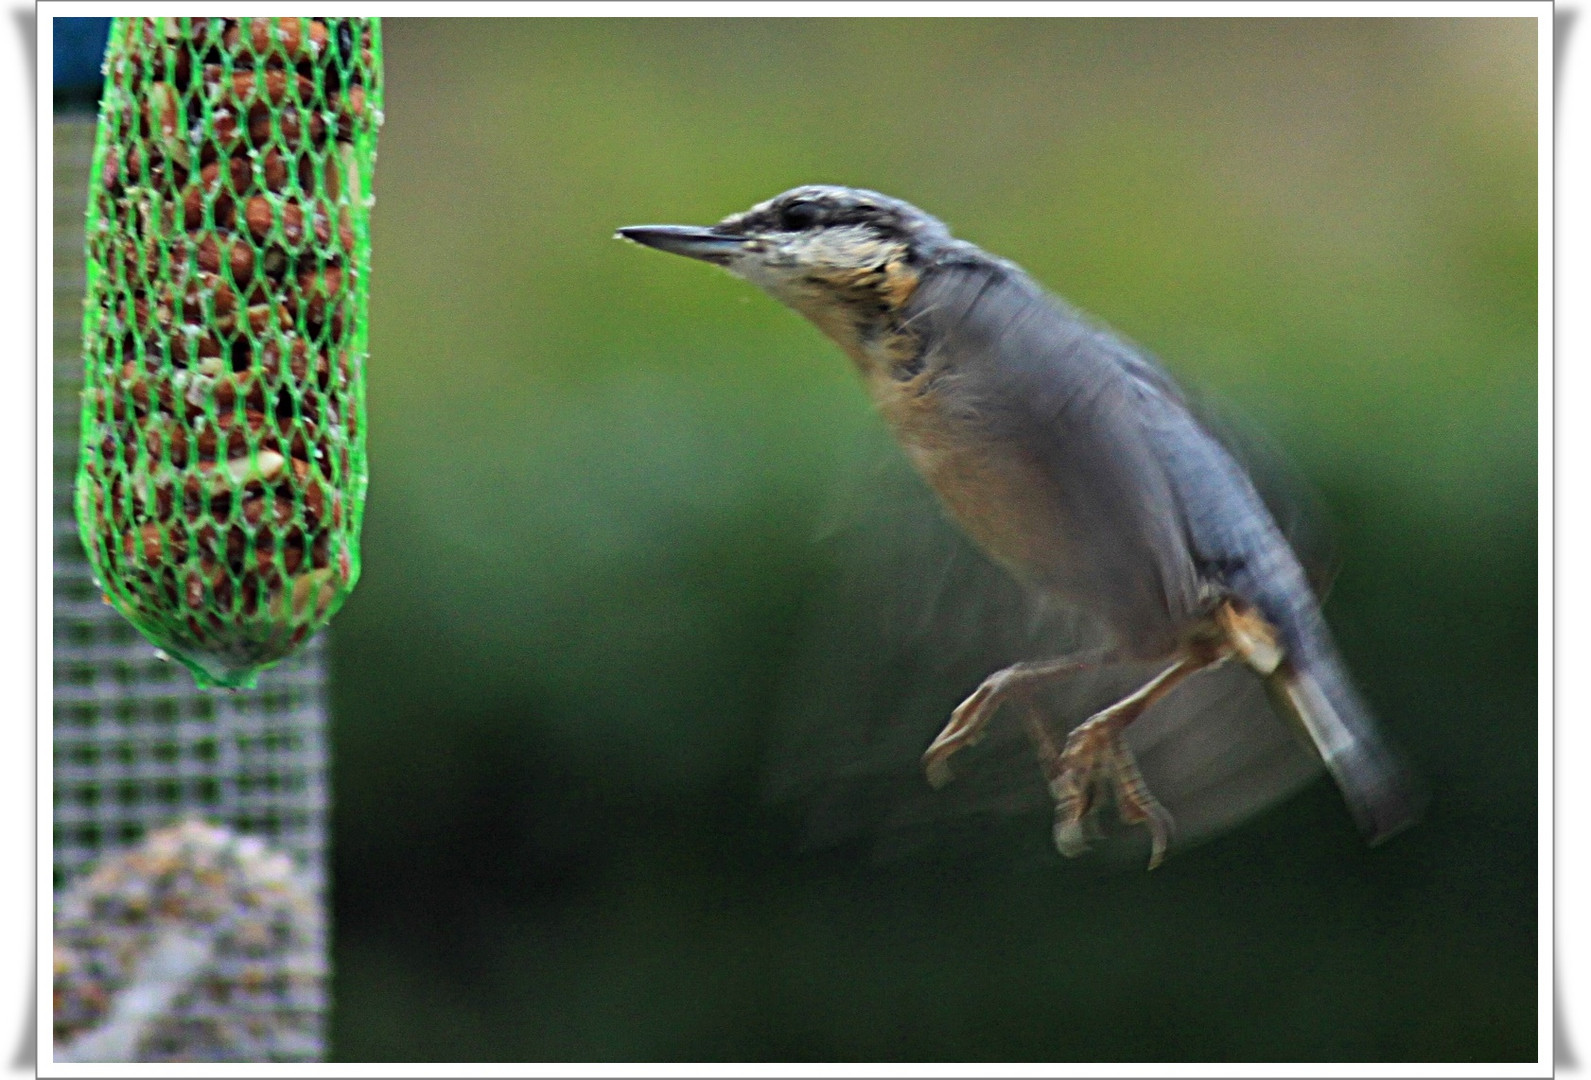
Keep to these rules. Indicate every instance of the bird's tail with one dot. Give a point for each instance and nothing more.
(1313, 690)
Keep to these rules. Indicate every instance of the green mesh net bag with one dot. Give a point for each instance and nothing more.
(222, 474)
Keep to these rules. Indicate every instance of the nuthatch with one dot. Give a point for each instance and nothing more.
(1075, 462)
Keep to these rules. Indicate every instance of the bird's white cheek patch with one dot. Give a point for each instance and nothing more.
(753, 265)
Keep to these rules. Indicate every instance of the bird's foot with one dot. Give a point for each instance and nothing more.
(1096, 759)
(965, 727)
(972, 716)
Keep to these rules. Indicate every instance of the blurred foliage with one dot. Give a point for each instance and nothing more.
(596, 558)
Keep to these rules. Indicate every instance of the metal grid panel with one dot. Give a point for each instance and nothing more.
(139, 747)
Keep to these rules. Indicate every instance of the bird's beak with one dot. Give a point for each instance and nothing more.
(688, 240)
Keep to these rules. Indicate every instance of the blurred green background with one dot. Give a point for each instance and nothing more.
(595, 554)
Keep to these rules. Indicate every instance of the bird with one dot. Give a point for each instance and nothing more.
(1076, 462)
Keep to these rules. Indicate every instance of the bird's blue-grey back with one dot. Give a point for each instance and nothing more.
(1237, 546)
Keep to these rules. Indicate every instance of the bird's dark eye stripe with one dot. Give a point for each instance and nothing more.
(800, 215)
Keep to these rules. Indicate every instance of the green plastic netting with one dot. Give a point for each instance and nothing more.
(222, 473)
(159, 954)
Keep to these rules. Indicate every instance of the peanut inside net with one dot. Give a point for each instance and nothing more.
(222, 472)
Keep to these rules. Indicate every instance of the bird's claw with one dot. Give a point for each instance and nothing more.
(1095, 758)
(966, 728)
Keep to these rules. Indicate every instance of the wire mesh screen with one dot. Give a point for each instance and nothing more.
(189, 824)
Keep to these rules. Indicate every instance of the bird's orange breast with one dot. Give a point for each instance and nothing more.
(1004, 499)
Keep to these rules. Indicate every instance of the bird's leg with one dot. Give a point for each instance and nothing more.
(1096, 756)
(971, 716)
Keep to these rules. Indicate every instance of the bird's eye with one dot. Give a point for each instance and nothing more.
(799, 216)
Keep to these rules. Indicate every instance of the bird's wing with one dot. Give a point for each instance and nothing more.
(1237, 545)
(1222, 465)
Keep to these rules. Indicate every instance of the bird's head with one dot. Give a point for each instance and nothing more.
(829, 252)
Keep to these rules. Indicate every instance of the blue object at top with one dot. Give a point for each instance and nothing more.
(79, 51)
